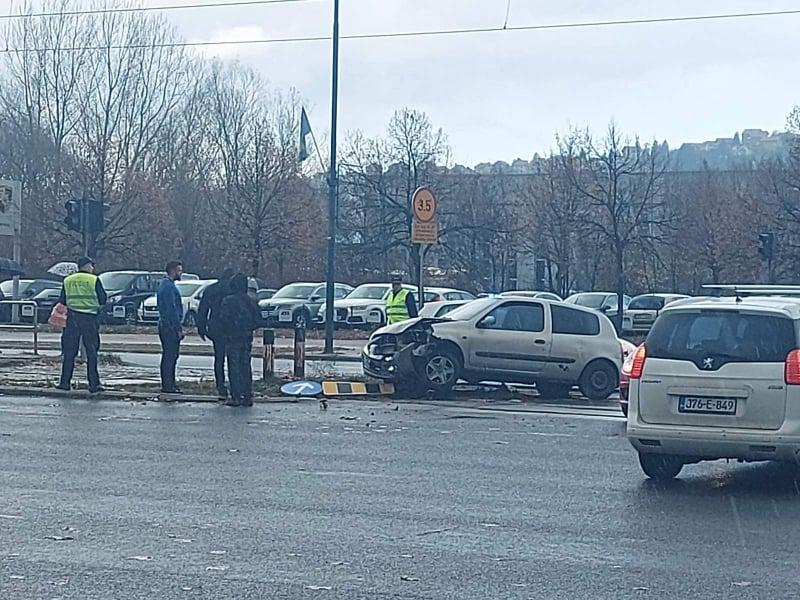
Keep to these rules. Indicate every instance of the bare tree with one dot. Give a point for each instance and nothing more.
(254, 135)
(621, 183)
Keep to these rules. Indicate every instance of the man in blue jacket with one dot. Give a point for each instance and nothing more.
(170, 325)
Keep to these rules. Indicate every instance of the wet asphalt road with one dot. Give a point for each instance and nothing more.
(365, 501)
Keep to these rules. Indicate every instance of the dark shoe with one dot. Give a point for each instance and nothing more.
(222, 395)
(246, 402)
(97, 390)
(64, 388)
(233, 402)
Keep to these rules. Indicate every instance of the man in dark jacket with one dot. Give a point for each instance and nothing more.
(209, 326)
(240, 314)
(170, 325)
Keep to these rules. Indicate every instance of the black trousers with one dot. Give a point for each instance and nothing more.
(240, 370)
(170, 351)
(219, 366)
(86, 328)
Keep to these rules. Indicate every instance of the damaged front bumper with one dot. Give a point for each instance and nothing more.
(396, 353)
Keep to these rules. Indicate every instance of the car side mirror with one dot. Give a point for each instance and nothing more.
(489, 321)
(605, 309)
(315, 298)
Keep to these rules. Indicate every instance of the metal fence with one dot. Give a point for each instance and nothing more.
(28, 308)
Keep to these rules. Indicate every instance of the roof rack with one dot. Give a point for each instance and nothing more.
(744, 290)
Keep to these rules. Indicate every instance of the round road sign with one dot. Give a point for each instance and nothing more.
(423, 204)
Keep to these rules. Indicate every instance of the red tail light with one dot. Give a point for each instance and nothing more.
(791, 373)
(638, 362)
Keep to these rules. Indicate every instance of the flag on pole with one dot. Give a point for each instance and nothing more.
(305, 131)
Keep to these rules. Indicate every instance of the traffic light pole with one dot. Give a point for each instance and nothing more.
(333, 185)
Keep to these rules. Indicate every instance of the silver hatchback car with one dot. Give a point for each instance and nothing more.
(717, 378)
(513, 340)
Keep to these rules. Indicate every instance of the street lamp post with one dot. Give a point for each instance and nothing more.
(333, 184)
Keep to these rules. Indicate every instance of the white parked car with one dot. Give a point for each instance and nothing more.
(531, 294)
(437, 310)
(514, 340)
(605, 302)
(717, 378)
(642, 311)
(440, 294)
(191, 291)
(364, 306)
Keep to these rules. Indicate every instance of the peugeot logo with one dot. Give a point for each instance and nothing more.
(708, 363)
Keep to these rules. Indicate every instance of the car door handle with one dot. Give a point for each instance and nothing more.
(540, 342)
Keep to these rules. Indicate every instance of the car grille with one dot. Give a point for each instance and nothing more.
(383, 345)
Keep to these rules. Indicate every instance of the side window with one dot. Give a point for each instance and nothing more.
(341, 292)
(515, 316)
(574, 322)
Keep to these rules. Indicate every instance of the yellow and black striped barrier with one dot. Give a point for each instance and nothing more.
(356, 388)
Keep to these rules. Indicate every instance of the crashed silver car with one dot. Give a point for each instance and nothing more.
(512, 340)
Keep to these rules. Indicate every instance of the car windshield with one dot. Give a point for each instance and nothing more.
(296, 290)
(368, 292)
(646, 303)
(735, 336)
(7, 287)
(590, 300)
(116, 281)
(186, 289)
(470, 310)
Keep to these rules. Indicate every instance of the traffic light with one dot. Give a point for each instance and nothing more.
(73, 219)
(766, 245)
(97, 216)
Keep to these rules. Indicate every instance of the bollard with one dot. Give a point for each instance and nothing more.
(300, 352)
(268, 360)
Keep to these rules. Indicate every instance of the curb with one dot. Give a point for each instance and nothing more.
(122, 396)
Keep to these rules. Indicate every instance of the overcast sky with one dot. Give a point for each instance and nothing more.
(499, 96)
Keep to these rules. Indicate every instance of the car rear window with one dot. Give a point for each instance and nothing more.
(574, 322)
(647, 303)
(730, 335)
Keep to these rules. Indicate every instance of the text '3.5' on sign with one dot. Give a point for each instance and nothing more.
(424, 227)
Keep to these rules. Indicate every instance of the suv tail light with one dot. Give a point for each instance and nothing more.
(791, 373)
(641, 354)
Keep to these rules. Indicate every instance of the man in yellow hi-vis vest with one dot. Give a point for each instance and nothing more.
(83, 295)
(400, 303)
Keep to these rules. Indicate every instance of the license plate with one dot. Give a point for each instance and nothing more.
(285, 316)
(708, 406)
(27, 310)
(119, 312)
(374, 317)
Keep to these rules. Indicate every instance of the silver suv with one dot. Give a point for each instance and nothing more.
(717, 378)
(520, 340)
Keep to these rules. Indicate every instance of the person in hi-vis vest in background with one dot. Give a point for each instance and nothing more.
(400, 303)
(83, 295)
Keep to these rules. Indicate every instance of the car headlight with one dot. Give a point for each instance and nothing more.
(114, 299)
(360, 307)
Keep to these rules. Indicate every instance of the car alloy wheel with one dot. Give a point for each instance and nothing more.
(440, 370)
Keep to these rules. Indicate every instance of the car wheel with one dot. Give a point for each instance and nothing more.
(552, 390)
(130, 315)
(599, 380)
(441, 369)
(190, 320)
(300, 320)
(661, 467)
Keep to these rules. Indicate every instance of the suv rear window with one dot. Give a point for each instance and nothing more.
(728, 335)
(647, 303)
(574, 322)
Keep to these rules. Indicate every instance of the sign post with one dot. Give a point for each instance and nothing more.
(424, 229)
(11, 225)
